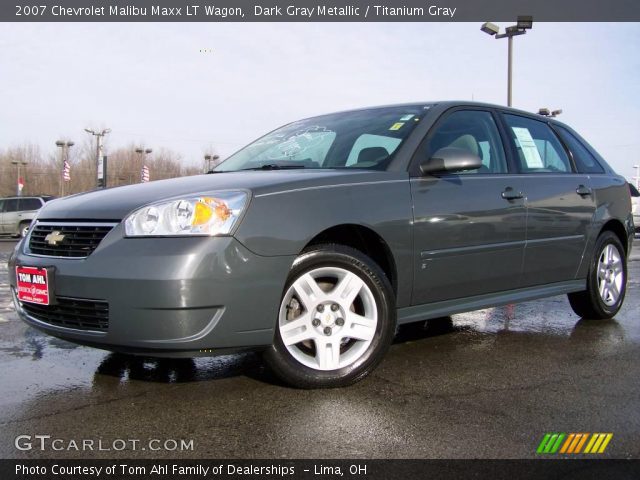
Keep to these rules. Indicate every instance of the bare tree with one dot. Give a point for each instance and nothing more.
(42, 174)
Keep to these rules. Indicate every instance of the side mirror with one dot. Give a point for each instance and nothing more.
(449, 160)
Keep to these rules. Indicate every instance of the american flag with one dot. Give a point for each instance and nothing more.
(145, 174)
(66, 171)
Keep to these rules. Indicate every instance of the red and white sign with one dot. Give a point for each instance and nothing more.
(33, 285)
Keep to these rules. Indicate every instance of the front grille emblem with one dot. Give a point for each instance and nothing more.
(54, 238)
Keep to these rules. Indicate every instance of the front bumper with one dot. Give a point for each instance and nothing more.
(168, 296)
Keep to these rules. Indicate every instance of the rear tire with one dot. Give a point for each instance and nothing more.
(336, 321)
(606, 281)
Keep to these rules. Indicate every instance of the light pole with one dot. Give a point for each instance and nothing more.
(64, 158)
(545, 112)
(525, 22)
(101, 162)
(211, 159)
(18, 163)
(142, 152)
(637, 177)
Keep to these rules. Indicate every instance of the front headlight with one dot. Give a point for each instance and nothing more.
(212, 214)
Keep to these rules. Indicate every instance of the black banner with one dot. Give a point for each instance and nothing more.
(318, 10)
(543, 469)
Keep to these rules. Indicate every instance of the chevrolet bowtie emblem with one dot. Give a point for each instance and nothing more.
(54, 238)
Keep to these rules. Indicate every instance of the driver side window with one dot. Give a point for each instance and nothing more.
(474, 131)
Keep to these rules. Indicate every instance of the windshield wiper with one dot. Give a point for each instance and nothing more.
(274, 166)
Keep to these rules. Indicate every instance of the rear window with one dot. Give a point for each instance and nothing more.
(584, 160)
(30, 204)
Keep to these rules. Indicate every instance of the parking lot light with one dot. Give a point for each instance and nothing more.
(18, 184)
(211, 161)
(524, 23)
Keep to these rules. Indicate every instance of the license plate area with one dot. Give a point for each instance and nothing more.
(34, 284)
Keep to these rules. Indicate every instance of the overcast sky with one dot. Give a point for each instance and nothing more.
(152, 85)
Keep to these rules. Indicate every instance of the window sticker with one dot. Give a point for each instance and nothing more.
(525, 141)
(404, 118)
(397, 126)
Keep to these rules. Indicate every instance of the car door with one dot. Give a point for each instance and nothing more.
(560, 203)
(9, 215)
(469, 227)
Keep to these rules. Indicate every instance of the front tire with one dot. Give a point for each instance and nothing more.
(24, 229)
(606, 281)
(336, 320)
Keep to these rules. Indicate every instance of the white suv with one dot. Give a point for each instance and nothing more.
(635, 207)
(16, 214)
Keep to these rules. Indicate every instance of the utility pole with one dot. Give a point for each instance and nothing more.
(100, 159)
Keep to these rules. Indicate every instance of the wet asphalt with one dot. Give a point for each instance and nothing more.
(485, 384)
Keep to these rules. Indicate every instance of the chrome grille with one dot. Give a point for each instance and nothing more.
(80, 314)
(77, 239)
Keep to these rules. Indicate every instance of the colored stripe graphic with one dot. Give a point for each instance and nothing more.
(581, 442)
(551, 442)
(567, 443)
(543, 443)
(598, 443)
(573, 443)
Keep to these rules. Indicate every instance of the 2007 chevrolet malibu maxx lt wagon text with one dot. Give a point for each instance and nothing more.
(314, 242)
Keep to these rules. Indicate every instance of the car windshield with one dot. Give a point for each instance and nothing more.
(357, 139)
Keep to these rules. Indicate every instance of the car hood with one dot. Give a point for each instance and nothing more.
(115, 203)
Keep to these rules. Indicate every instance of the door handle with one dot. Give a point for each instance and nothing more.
(511, 194)
(583, 191)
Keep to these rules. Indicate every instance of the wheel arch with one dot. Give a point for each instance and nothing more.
(365, 240)
(616, 227)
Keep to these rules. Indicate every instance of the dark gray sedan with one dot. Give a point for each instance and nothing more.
(314, 242)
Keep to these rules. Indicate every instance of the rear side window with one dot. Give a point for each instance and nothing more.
(633, 191)
(538, 148)
(29, 204)
(584, 160)
(11, 205)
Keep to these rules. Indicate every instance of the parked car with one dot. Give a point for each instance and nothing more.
(635, 206)
(315, 241)
(16, 213)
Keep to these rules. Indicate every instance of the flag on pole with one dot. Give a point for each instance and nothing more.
(144, 174)
(66, 172)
